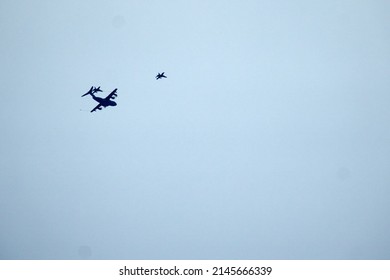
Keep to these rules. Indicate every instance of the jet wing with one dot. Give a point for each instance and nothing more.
(112, 95)
(98, 107)
(89, 92)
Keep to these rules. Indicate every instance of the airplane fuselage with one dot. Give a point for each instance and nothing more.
(104, 102)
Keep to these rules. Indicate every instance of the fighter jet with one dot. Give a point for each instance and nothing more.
(159, 76)
(103, 102)
(96, 89)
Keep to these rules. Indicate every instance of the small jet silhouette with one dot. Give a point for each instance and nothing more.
(159, 76)
(103, 102)
(96, 89)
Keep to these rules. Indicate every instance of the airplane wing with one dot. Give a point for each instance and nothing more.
(89, 92)
(98, 107)
(112, 95)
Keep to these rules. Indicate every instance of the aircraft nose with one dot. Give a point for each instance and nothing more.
(113, 103)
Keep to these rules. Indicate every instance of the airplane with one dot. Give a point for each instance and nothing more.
(103, 102)
(96, 89)
(159, 76)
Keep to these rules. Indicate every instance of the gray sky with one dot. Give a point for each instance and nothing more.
(269, 139)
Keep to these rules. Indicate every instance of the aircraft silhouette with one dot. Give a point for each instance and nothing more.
(96, 89)
(159, 76)
(103, 102)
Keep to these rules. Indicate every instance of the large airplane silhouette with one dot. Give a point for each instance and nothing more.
(103, 102)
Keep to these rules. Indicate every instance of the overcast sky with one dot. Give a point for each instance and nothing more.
(268, 140)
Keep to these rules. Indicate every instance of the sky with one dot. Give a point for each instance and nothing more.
(268, 140)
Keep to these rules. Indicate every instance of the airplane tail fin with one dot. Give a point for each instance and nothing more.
(89, 92)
